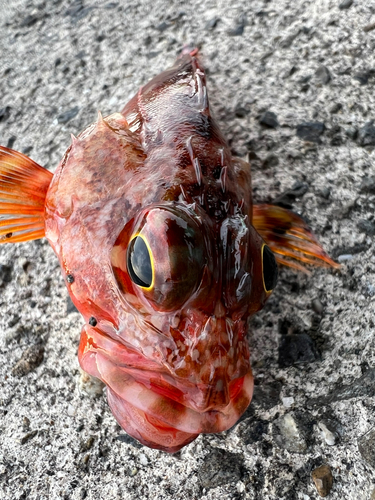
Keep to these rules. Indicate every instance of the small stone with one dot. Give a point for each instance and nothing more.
(11, 141)
(28, 436)
(4, 113)
(68, 115)
(162, 26)
(288, 434)
(366, 134)
(269, 119)
(288, 197)
(345, 4)
(368, 184)
(271, 161)
(212, 23)
(351, 132)
(219, 468)
(143, 460)
(30, 359)
(367, 28)
(288, 402)
(364, 77)
(90, 385)
(310, 131)
(241, 112)
(323, 479)
(345, 257)
(367, 227)
(5, 274)
(366, 447)
(317, 306)
(237, 31)
(323, 74)
(328, 436)
(29, 20)
(336, 108)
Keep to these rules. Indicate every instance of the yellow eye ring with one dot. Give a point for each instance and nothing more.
(133, 275)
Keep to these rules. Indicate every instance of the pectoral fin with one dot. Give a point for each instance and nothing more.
(289, 237)
(23, 189)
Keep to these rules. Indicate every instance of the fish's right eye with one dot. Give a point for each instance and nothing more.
(140, 263)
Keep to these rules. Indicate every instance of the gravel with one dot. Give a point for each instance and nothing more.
(307, 67)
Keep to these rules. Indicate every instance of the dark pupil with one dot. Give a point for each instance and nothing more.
(139, 262)
(270, 271)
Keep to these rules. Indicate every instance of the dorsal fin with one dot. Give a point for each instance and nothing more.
(23, 189)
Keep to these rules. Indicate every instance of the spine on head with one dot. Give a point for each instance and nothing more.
(23, 189)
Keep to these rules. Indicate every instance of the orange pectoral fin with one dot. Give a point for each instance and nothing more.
(23, 189)
(289, 237)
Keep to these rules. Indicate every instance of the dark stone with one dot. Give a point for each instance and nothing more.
(100, 38)
(317, 306)
(367, 28)
(351, 132)
(345, 4)
(125, 438)
(27, 150)
(162, 26)
(368, 184)
(252, 431)
(364, 77)
(366, 447)
(30, 359)
(367, 227)
(219, 468)
(241, 112)
(355, 249)
(323, 74)
(28, 436)
(29, 20)
(288, 197)
(366, 134)
(336, 108)
(68, 115)
(212, 23)
(11, 141)
(271, 161)
(77, 10)
(310, 131)
(70, 307)
(5, 274)
(237, 31)
(323, 479)
(297, 348)
(4, 113)
(267, 396)
(269, 119)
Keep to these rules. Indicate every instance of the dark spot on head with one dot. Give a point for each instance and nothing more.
(92, 321)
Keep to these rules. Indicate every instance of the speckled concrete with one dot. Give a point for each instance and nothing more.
(313, 346)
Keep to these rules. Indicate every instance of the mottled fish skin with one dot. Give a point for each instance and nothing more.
(175, 357)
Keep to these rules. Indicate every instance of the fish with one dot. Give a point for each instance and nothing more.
(162, 252)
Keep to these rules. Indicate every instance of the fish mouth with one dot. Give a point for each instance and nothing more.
(157, 414)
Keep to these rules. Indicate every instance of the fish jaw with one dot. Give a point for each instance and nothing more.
(146, 404)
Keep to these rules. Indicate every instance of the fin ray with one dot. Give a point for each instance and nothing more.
(289, 237)
(23, 189)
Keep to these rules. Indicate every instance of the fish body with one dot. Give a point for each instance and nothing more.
(163, 254)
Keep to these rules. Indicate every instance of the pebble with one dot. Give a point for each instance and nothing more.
(368, 184)
(366, 134)
(328, 436)
(345, 257)
(68, 115)
(323, 74)
(310, 131)
(288, 401)
(369, 27)
(91, 386)
(345, 4)
(143, 460)
(4, 113)
(323, 479)
(5, 274)
(317, 306)
(269, 119)
(367, 227)
(30, 359)
(366, 447)
(288, 434)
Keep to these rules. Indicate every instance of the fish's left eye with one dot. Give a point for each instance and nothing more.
(139, 262)
(269, 268)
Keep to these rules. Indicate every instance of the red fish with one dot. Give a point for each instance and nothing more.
(163, 254)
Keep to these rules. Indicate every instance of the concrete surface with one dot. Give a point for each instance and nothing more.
(313, 346)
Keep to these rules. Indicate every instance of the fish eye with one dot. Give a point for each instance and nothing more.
(139, 262)
(269, 267)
